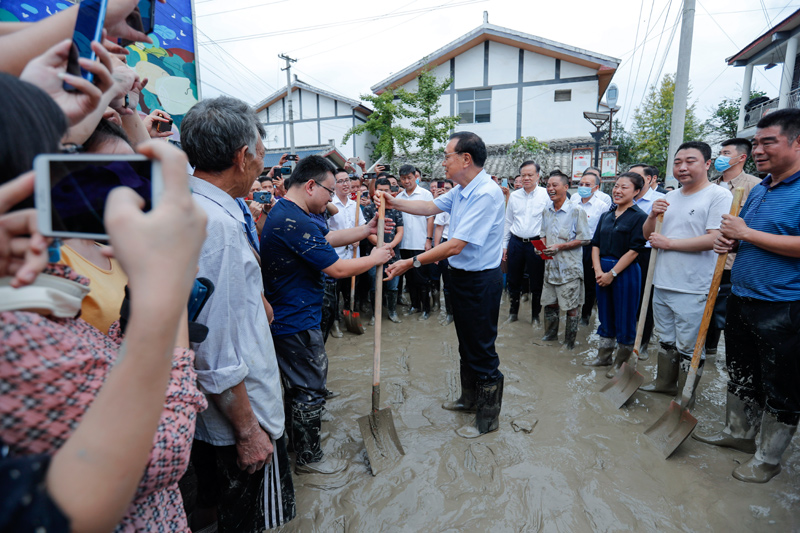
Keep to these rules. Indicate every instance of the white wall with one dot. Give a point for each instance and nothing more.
(544, 118)
(503, 64)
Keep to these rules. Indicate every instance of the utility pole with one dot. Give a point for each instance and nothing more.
(288, 70)
(681, 83)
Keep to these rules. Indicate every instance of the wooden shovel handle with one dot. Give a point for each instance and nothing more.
(648, 287)
(353, 278)
(376, 357)
(709, 310)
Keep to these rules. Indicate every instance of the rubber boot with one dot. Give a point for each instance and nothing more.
(435, 304)
(448, 306)
(550, 324)
(712, 340)
(489, 400)
(336, 330)
(624, 353)
(742, 420)
(604, 353)
(511, 318)
(571, 331)
(466, 402)
(513, 308)
(683, 374)
(771, 442)
(306, 425)
(666, 381)
(391, 306)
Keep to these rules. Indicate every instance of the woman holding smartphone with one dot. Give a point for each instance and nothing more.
(615, 246)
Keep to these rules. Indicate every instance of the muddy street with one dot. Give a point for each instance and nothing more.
(563, 459)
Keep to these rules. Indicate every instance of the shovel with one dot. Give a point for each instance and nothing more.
(675, 425)
(627, 381)
(352, 319)
(377, 428)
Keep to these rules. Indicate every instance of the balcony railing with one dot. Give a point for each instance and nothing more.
(752, 117)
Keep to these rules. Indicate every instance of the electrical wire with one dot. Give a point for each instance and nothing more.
(635, 40)
(242, 8)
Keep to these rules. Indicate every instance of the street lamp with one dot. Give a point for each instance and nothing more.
(598, 120)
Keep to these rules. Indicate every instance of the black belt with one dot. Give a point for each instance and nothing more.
(534, 238)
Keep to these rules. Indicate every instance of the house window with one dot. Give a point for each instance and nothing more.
(563, 96)
(475, 106)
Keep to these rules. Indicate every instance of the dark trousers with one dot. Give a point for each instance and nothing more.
(763, 354)
(330, 307)
(419, 282)
(343, 286)
(239, 496)
(522, 257)
(475, 297)
(617, 303)
(304, 367)
(589, 283)
(717, 324)
(643, 259)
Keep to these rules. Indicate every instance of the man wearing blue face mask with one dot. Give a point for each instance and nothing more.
(730, 161)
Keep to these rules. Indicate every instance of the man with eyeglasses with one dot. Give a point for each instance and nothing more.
(294, 252)
(474, 250)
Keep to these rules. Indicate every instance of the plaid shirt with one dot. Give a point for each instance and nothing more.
(50, 372)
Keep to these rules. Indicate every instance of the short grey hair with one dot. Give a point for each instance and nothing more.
(214, 130)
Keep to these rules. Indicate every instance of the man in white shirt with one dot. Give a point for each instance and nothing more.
(417, 238)
(523, 223)
(692, 217)
(600, 194)
(594, 206)
(345, 219)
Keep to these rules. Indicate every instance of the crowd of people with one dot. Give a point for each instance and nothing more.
(125, 409)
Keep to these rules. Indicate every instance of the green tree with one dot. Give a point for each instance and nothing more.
(431, 129)
(724, 121)
(528, 149)
(653, 121)
(383, 123)
(626, 147)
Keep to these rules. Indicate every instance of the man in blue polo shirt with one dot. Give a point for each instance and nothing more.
(294, 252)
(762, 333)
(474, 248)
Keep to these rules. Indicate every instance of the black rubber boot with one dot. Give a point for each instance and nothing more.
(435, 304)
(666, 381)
(466, 402)
(604, 353)
(306, 426)
(712, 339)
(488, 402)
(550, 324)
(742, 421)
(624, 353)
(771, 442)
(513, 308)
(683, 374)
(571, 331)
(391, 306)
(448, 307)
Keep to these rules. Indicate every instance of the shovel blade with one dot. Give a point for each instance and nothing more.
(623, 386)
(352, 321)
(669, 431)
(380, 440)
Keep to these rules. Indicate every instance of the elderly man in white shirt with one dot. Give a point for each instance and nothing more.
(417, 238)
(594, 205)
(345, 219)
(523, 223)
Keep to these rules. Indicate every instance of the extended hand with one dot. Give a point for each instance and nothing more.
(659, 206)
(253, 451)
(659, 242)
(733, 227)
(398, 269)
(23, 250)
(723, 245)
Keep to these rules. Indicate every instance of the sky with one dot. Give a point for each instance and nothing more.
(350, 45)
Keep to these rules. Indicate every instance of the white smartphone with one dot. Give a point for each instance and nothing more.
(71, 190)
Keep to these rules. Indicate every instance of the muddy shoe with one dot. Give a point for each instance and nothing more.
(372, 320)
(550, 324)
(624, 353)
(488, 402)
(330, 394)
(448, 319)
(571, 332)
(742, 421)
(466, 402)
(335, 330)
(328, 465)
(511, 318)
(604, 353)
(666, 381)
(424, 316)
(411, 311)
(771, 443)
(584, 321)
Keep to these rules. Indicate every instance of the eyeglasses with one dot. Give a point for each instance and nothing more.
(330, 191)
(446, 155)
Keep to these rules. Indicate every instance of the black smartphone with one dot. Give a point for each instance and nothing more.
(286, 171)
(394, 188)
(292, 157)
(88, 28)
(71, 190)
(162, 127)
(262, 197)
(440, 184)
(201, 291)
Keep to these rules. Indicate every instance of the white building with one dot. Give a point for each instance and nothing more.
(508, 84)
(320, 117)
(778, 45)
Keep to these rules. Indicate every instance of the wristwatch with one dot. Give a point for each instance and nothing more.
(416, 262)
(613, 272)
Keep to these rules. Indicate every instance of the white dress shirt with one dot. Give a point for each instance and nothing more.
(344, 219)
(442, 219)
(524, 213)
(415, 227)
(604, 197)
(594, 208)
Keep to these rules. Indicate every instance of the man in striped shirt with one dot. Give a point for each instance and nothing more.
(762, 332)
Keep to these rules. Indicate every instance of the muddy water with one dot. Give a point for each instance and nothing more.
(563, 459)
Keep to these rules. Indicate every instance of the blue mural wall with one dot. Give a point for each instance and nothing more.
(168, 64)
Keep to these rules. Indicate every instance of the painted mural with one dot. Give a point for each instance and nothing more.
(168, 63)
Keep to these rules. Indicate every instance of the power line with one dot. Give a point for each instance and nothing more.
(346, 22)
(641, 54)
(655, 55)
(242, 8)
(635, 40)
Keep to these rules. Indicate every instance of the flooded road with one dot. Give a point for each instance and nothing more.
(563, 459)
